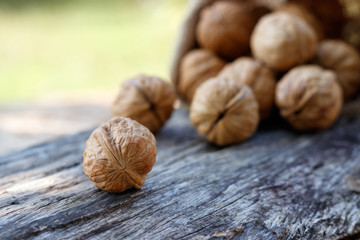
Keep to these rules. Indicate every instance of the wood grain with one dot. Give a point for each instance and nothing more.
(277, 185)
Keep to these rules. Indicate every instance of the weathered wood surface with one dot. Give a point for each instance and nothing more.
(278, 185)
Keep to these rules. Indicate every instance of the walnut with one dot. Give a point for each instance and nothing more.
(261, 79)
(345, 61)
(148, 100)
(119, 154)
(300, 11)
(196, 67)
(225, 28)
(283, 41)
(224, 111)
(309, 98)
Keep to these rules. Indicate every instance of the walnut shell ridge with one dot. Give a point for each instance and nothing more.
(196, 67)
(309, 98)
(344, 59)
(283, 41)
(119, 154)
(148, 100)
(258, 77)
(225, 28)
(224, 111)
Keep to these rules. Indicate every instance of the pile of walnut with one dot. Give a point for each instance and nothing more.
(249, 59)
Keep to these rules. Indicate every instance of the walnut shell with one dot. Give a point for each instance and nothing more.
(225, 28)
(224, 111)
(258, 77)
(196, 67)
(345, 61)
(283, 41)
(148, 100)
(309, 98)
(300, 11)
(119, 154)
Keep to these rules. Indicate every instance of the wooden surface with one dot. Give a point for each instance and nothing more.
(278, 185)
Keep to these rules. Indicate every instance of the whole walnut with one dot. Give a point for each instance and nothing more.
(283, 41)
(300, 11)
(196, 67)
(345, 61)
(148, 100)
(309, 98)
(225, 28)
(330, 14)
(119, 154)
(258, 77)
(224, 111)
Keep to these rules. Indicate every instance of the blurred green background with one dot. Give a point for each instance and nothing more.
(60, 46)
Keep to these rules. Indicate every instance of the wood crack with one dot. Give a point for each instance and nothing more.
(75, 221)
(279, 184)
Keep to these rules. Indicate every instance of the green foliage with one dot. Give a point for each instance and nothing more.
(47, 46)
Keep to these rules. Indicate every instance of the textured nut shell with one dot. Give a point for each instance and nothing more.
(258, 77)
(225, 28)
(224, 111)
(283, 41)
(301, 12)
(119, 154)
(148, 100)
(345, 61)
(196, 67)
(309, 98)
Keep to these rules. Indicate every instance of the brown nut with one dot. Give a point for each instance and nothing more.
(330, 14)
(258, 77)
(309, 98)
(148, 100)
(225, 28)
(119, 154)
(300, 11)
(224, 111)
(345, 61)
(196, 67)
(283, 41)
